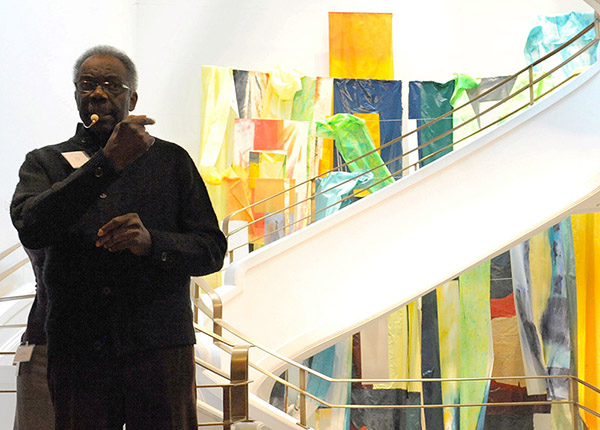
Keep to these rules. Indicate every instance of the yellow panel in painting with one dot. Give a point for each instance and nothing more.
(414, 346)
(540, 264)
(398, 349)
(326, 160)
(448, 296)
(360, 45)
(268, 164)
(586, 244)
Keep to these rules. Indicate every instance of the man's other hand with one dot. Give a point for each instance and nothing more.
(125, 232)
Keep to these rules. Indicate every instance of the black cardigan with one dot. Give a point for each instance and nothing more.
(114, 303)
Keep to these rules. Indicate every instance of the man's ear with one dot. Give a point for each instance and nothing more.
(133, 97)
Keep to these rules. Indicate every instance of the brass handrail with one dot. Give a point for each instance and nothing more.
(532, 82)
(12, 269)
(9, 250)
(15, 298)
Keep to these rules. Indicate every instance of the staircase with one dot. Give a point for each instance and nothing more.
(323, 283)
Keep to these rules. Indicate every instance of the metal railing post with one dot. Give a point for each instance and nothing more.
(239, 382)
(217, 313)
(574, 396)
(313, 204)
(286, 395)
(196, 297)
(531, 96)
(226, 408)
(303, 418)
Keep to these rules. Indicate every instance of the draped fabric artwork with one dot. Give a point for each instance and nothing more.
(427, 101)
(353, 140)
(448, 299)
(278, 100)
(336, 363)
(352, 51)
(510, 316)
(556, 321)
(250, 88)
(322, 110)
(476, 355)
(273, 152)
(586, 244)
(334, 191)
(549, 33)
(220, 109)
(466, 91)
(543, 270)
(383, 97)
(430, 361)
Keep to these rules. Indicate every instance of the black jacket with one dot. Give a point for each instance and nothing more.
(114, 303)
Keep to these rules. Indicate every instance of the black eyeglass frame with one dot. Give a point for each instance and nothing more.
(107, 86)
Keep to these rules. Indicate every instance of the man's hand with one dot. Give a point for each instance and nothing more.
(128, 141)
(125, 232)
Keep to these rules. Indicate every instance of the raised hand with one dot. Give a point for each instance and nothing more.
(128, 141)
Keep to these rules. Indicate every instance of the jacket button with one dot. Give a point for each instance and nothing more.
(163, 256)
(99, 172)
(103, 196)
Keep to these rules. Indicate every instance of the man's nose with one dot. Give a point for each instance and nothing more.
(99, 92)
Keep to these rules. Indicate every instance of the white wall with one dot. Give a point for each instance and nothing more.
(171, 40)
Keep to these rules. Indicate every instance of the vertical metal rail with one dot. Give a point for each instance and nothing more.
(531, 95)
(227, 408)
(196, 297)
(573, 388)
(286, 392)
(239, 382)
(303, 418)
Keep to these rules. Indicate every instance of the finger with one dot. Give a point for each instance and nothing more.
(122, 240)
(115, 223)
(139, 119)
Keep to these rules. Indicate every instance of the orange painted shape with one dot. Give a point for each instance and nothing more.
(360, 45)
(268, 135)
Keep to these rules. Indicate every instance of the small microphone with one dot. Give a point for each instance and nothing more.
(94, 119)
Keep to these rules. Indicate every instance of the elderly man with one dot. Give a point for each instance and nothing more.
(125, 220)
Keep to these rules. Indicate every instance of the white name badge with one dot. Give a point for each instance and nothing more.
(76, 158)
(23, 354)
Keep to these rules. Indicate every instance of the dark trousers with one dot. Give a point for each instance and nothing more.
(34, 407)
(147, 390)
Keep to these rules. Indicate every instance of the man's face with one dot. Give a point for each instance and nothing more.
(111, 107)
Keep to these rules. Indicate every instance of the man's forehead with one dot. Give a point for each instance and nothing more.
(103, 65)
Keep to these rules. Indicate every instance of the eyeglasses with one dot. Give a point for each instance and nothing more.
(114, 88)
